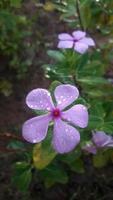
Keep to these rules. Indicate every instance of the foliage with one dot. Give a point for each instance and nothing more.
(14, 32)
(87, 71)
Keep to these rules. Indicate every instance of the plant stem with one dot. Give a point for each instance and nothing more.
(79, 14)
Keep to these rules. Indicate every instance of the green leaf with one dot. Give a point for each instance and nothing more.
(43, 154)
(57, 55)
(82, 62)
(54, 174)
(92, 80)
(77, 166)
(100, 159)
(96, 115)
(85, 12)
(16, 145)
(22, 175)
(16, 3)
(108, 127)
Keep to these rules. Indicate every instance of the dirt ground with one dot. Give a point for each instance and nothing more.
(94, 184)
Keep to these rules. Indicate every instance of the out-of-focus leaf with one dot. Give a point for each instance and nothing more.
(16, 145)
(5, 87)
(16, 3)
(108, 127)
(86, 14)
(77, 166)
(57, 55)
(74, 161)
(93, 80)
(22, 175)
(54, 174)
(49, 6)
(100, 159)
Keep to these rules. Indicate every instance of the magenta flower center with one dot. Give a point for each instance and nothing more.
(56, 113)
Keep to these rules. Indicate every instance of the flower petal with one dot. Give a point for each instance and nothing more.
(65, 95)
(78, 115)
(65, 44)
(80, 47)
(78, 35)
(101, 139)
(90, 148)
(65, 137)
(39, 99)
(35, 130)
(65, 36)
(88, 41)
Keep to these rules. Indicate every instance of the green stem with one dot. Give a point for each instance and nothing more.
(79, 14)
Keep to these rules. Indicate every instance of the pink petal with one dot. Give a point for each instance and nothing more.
(101, 139)
(65, 95)
(35, 130)
(80, 47)
(78, 115)
(78, 35)
(65, 137)
(65, 44)
(88, 41)
(39, 99)
(65, 36)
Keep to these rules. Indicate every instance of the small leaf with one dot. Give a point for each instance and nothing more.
(57, 55)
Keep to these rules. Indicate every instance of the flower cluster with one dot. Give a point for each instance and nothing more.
(99, 140)
(77, 40)
(65, 136)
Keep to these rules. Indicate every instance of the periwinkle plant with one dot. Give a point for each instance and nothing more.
(68, 113)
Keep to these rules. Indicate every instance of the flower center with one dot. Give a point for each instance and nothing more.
(56, 113)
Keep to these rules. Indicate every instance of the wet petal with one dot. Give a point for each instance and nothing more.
(65, 95)
(101, 139)
(88, 41)
(78, 115)
(35, 130)
(39, 99)
(65, 44)
(80, 47)
(65, 137)
(78, 35)
(65, 36)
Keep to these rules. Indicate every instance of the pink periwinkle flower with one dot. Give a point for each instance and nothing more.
(77, 40)
(65, 137)
(99, 140)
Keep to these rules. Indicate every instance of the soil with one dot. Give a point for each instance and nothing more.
(94, 184)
